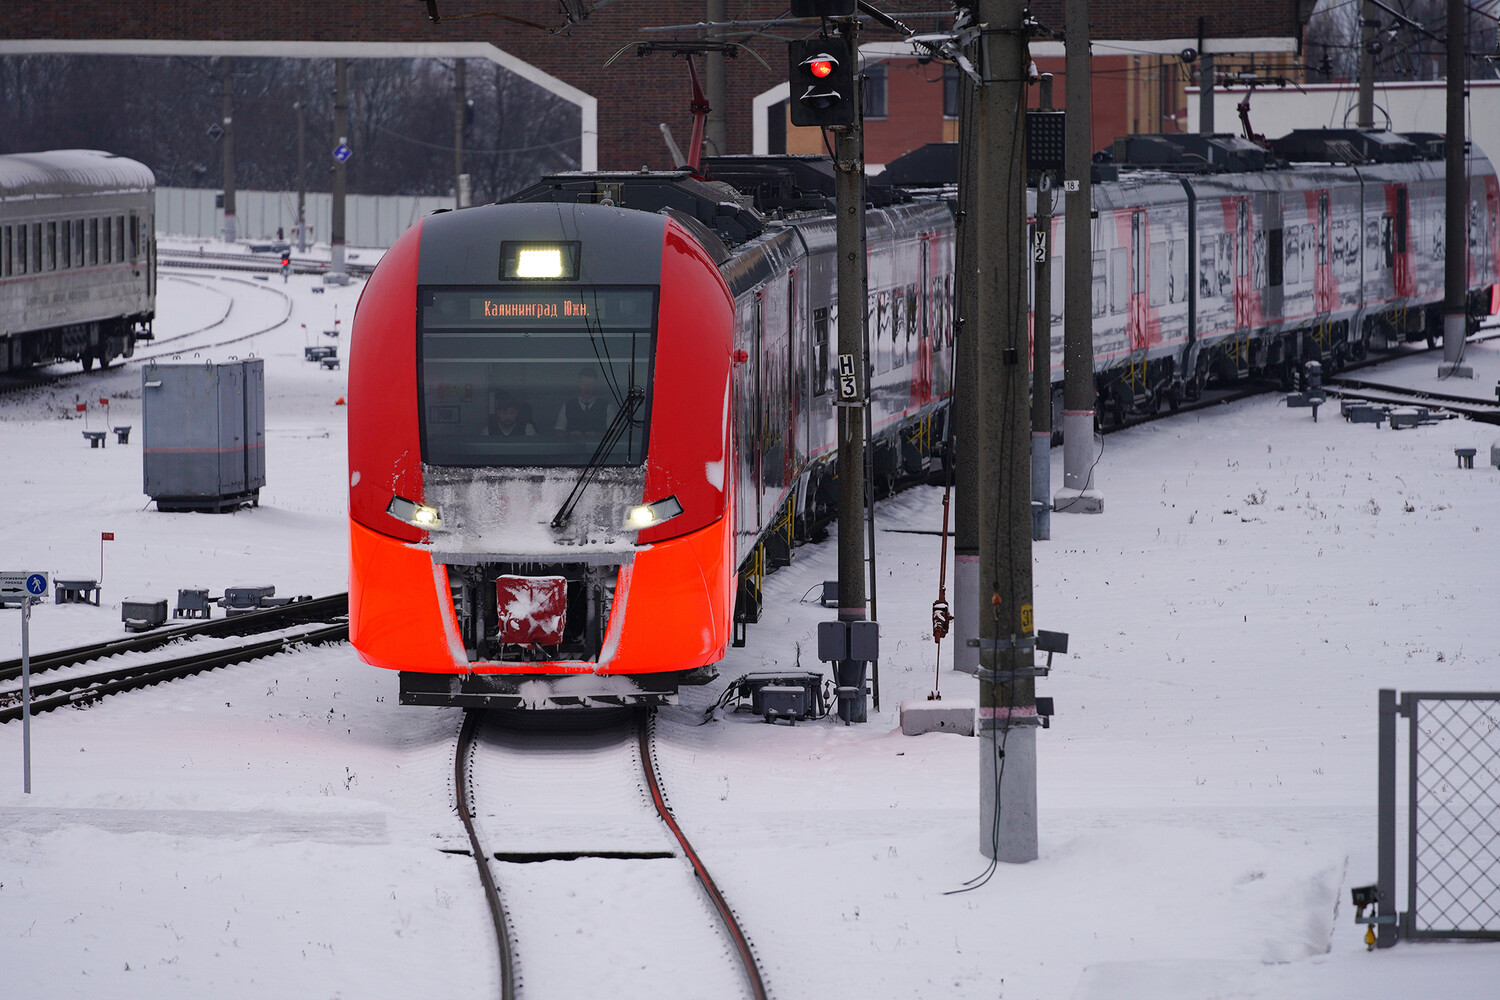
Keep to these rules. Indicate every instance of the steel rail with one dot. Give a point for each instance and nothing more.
(726, 914)
(461, 779)
(86, 690)
(322, 609)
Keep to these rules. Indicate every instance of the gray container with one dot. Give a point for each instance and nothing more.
(204, 445)
(142, 613)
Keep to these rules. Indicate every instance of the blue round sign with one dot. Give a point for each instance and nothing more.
(36, 585)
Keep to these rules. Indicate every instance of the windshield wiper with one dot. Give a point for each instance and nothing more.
(633, 400)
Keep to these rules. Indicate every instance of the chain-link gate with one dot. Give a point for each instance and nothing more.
(1453, 818)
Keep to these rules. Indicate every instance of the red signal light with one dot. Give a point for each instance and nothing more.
(820, 67)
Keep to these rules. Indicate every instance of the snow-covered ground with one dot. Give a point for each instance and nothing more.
(1207, 792)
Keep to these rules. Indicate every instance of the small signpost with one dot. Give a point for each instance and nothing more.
(1039, 246)
(104, 536)
(36, 589)
(848, 381)
(342, 152)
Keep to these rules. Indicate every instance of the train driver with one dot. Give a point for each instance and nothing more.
(585, 413)
(506, 420)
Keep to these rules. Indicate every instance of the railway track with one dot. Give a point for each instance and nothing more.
(242, 262)
(85, 689)
(567, 809)
(326, 610)
(304, 623)
(1475, 409)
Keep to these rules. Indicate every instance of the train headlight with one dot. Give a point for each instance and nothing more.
(417, 514)
(649, 515)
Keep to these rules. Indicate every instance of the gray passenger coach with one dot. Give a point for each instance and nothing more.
(77, 257)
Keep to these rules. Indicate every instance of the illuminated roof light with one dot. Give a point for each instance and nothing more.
(540, 263)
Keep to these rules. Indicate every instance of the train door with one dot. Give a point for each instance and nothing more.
(1242, 283)
(1135, 317)
(791, 379)
(757, 442)
(1404, 278)
(1325, 290)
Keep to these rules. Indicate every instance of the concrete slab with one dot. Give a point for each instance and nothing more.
(955, 715)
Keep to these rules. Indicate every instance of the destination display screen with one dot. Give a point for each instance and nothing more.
(527, 308)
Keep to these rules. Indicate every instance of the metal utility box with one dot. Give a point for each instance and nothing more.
(143, 613)
(205, 435)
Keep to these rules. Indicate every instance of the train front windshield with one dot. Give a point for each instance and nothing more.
(535, 377)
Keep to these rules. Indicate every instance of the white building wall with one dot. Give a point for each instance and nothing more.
(369, 220)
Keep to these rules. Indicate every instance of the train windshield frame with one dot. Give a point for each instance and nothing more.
(528, 376)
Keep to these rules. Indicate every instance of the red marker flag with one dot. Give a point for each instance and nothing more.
(106, 536)
(81, 407)
(103, 401)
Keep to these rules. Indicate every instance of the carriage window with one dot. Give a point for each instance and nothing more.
(1275, 258)
(820, 351)
(1119, 280)
(135, 237)
(1160, 275)
(1101, 288)
(5, 248)
(65, 246)
(1177, 268)
(1208, 285)
(533, 377)
(94, 241)
(120, 238)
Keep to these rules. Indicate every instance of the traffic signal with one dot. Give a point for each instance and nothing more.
(822, 82)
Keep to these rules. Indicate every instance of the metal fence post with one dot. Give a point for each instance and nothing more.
(1385, 878)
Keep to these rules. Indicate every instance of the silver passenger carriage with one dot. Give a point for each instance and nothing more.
(77, 257)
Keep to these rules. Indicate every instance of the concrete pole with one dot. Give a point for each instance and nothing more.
(301, 177)
(965, 385)
(1041, 350)
(1007, 703)
(1367, 22)
(341, 132)
(1206, 93)
(849, 169)
(1078, 495)
(716, 84)
(230, 228)
(1456, 234)
(460, 106)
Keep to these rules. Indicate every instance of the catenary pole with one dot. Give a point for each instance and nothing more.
(301, 177)
(1365, 116)
(341, 131)
(231, 230)
(1041, 349)
(1007, 704)
(965, 406)
(1456, 235)
(1079, 494)
(1206, 93)
(715, 133)
(848, 165)
(460, 109)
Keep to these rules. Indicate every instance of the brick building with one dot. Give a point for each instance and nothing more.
(623, 97)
